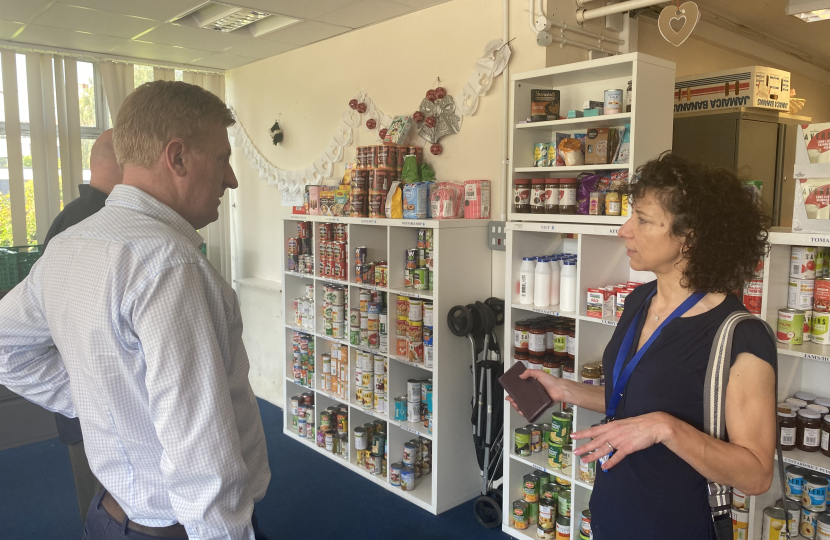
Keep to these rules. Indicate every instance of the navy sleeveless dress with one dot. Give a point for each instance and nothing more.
(653, 494)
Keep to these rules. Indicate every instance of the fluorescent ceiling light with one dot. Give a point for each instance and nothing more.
(229, 18)
(809, 10)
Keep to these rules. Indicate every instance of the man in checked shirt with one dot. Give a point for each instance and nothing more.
(146, 349)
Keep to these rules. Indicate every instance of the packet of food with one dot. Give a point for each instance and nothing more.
(416, 200)
(446, 200)
(571, 151)
(394, 204)
(410, 173)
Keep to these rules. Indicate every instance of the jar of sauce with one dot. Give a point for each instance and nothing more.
(521, 335)
(809, 397)
(591, 375)
(819, 409)
(552, 366)
(808, 430)
(536, 343)
(796, 403)
(521, 195)
(560, 341)
(825, 435)
(549, 345)
(571, 344)
(568, 371)
(537, 196)
(567, 195)
(552, 196)
(824, 402)
(535, 362)
(787, 426)
(613, 206)
(523, 358)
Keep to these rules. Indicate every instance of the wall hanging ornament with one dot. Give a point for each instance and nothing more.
(684, 16)
(276, 133)
(436, 117)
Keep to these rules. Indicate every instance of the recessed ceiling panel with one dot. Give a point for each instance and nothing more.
(302, 9)
(222, 61)
(364, 12)
(196, 38)
(306, 32)
(20, 11)
(7, 29)
(161, 53)
(421, 4)
(162, 10)
(67, 39)
(259, 48)
(94, 21)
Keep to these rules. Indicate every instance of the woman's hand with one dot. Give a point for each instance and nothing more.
(552, 385)
(625, 436)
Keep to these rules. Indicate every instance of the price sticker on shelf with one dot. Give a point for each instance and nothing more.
(614, 230)
(369, 221)
(820, 358)
(414, 223)
(547, 227)
(538, 467)
(609, 323)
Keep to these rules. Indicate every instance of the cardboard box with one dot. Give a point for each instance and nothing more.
(752, 86)
(600, 146)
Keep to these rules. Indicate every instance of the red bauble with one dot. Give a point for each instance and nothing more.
(430, 121)
(361, 108)
(371, 123)
(440, 92)
(353, 104)
(436, 149)
(382, 133)
(431, 95)
(418, 116)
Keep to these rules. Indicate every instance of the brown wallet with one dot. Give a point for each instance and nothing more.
(528, 394)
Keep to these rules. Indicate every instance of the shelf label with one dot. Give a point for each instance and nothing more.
(818, 357)
(414, 223)
(409, 294)
(614, 230)
(369, 221)
(609, 323)
(798, 463)
(546, 312)
(799, 174)
(517, 226)
(332, 219)
(547, 227)
(409, 429)
(539, 467)
(820, 240)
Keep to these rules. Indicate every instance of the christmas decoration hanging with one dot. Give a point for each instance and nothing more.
(276, 133)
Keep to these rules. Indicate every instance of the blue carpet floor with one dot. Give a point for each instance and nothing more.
(37, 498)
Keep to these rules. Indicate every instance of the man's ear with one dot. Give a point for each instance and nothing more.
(174, 157)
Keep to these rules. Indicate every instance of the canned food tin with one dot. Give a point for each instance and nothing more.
(342, 422)
(790, 326)
(547, 513)
(803, 262)
(408, 478)
(809, 522)
(420, 279)
(814, 496)
(753, 290)
(540, 155)
(567, 455)
(555, 456)
(546, 533)
(535, 438)
(413, 390)
(823, 527)
(563, 528)
(428, 315)
(740, 518)
(416, 310)
(410, 456)
(800, 293)
(531, 488)
(585, 524)
(413, 411)
(400, 409)
(820, 331)
(520, 515)
(821, 295)
(563, 503)
(612, 103)
(808, 326)
(522, 442)
(793, 508)
(587, 471)
(560, 426)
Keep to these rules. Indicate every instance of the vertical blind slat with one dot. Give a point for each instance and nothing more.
(63, 133)
(73, 127)
(14, 148)
(40, 171)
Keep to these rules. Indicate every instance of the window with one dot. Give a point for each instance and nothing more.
(94, 120)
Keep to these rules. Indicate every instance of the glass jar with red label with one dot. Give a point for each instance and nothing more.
(521, 195)
(537, 196)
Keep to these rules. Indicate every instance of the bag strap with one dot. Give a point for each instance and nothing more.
(714, 403)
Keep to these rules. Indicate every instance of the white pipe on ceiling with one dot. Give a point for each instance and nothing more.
(584, 15)
(581, 32)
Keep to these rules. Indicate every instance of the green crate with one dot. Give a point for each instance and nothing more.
(16, 262)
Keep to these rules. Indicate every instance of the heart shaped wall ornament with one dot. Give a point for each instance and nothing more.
(687, 13)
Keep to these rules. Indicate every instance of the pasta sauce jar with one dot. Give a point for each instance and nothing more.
(521, 336)
(808, 430)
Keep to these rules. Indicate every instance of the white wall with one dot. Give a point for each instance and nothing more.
(308, 90)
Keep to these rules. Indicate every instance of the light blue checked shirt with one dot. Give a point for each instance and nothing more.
(124, 323)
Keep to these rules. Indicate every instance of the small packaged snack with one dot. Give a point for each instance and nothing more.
(446, 199)
(477, 199)
(416, 200)
(571, 151)
(398, 130)
(394, 202)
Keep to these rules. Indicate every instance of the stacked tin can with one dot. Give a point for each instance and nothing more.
(300, 255)
(807, 317)
(302, 415)
(418, 263)
(370, 273)
(335, 378)
(333, 433)
(546, 503)
(304, 309)
(302, 350)
(415, 463)
(365, 320)
(371, 442)
(333, 251)
(371, 381)
(335, 299)
(414, 330)
(377, 168)
(753, 290)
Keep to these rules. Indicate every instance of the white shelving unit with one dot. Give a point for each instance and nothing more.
(458, 245)
(603, 261)
(651, 118)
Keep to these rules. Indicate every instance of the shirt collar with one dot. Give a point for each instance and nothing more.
(85, 190)
(135, 199)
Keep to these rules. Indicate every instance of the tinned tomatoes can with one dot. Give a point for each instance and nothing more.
(803, 262)
(752, 295)
(790, 326)
(800, 293)
(821, 295)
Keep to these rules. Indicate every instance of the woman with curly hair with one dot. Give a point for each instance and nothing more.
(699, 231)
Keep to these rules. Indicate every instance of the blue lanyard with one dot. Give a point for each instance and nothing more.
(620, 380)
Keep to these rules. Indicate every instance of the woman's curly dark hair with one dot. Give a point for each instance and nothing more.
(723, 227)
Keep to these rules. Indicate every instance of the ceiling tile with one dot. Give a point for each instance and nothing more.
(302, 9)
(94, 21)
(18, 11)
(7, 29)
(259, 48)
(221, 61)
(162, 10)
(67, 39)
(364, 12)
(197, 38)
(305, 32)
(162, 53)
(421, 4)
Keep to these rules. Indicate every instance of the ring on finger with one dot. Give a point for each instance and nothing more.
(610, 448)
